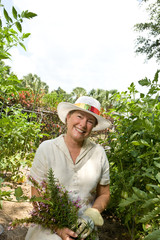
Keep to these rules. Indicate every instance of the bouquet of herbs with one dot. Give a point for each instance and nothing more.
(53, 208)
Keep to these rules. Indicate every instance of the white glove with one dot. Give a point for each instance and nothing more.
(87, 221)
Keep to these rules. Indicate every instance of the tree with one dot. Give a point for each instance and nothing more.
(34, 83)
(78, 92)
(149, 44)
(63, 95)
(103, 96)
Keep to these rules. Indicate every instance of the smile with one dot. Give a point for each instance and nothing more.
(79, 130)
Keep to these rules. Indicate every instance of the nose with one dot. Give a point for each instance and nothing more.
(83, 123)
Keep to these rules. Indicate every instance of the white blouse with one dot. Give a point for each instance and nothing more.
(80, 179)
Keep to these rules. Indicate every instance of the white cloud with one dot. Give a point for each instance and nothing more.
(86, 43)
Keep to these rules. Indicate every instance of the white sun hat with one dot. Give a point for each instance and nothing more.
(86, 104)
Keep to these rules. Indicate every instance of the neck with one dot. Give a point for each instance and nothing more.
(74, 147)
(71, 143)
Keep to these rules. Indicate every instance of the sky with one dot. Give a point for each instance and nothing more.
(82, 43)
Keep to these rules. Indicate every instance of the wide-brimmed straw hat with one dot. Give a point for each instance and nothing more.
(86, 104)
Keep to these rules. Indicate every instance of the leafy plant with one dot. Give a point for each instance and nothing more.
(18, 137)
(147, 203)
(11, 30)
(135, 143)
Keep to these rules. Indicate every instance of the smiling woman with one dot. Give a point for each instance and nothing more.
(80, 165)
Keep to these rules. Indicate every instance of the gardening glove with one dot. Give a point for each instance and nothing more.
(87, 221)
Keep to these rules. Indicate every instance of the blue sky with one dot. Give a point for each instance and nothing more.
(82, 43)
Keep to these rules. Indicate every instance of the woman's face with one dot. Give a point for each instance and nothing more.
(79, 125)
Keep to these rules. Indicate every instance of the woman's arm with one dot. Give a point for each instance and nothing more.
(103, 197)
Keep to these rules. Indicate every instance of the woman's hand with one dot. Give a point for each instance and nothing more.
(66, 234)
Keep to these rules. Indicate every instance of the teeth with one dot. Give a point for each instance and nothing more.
(79, 130)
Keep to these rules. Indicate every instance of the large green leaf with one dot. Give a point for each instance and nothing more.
(18, 193)
(25, 35)
(150, 202)
(27, 14)
(7, 17)
(144, 82)
(14, 12)
(19, 26)
(150, 216)
(153, 236)
(141, 194)
(126, 202)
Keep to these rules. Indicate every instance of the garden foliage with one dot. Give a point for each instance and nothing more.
(18, 134)
(135, 158)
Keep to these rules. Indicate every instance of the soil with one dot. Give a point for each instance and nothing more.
(111, 230)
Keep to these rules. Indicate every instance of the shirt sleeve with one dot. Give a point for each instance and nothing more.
(105, 177)
(39, 167)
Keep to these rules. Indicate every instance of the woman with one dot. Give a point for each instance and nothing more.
(80, 166)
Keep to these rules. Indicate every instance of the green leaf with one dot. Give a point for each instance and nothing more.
(126, 202)
(4, 55)
(8, 19)
(144, 143)
(14, 12)
(158, 177)
(157, 164)
(18, 193)
(13, 32)
(144, 82)
(150, 202)
(26, 14)
(148, 124)
(156, 77)
(25, 35)
(150, 216)
(22, 45)
(0, 23)
(142, 95)
(141, 194)
(134, 135)
(155, 235)
(136, 143)
(19, 27)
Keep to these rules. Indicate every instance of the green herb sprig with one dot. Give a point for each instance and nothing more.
(53, 208)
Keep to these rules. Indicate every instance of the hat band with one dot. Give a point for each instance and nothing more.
(88, 107)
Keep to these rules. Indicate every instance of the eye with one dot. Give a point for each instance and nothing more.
(91, 122)
(79, 116)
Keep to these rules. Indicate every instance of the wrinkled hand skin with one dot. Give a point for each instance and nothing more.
(66, 234)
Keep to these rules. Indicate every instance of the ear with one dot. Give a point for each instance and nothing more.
(67, 117)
